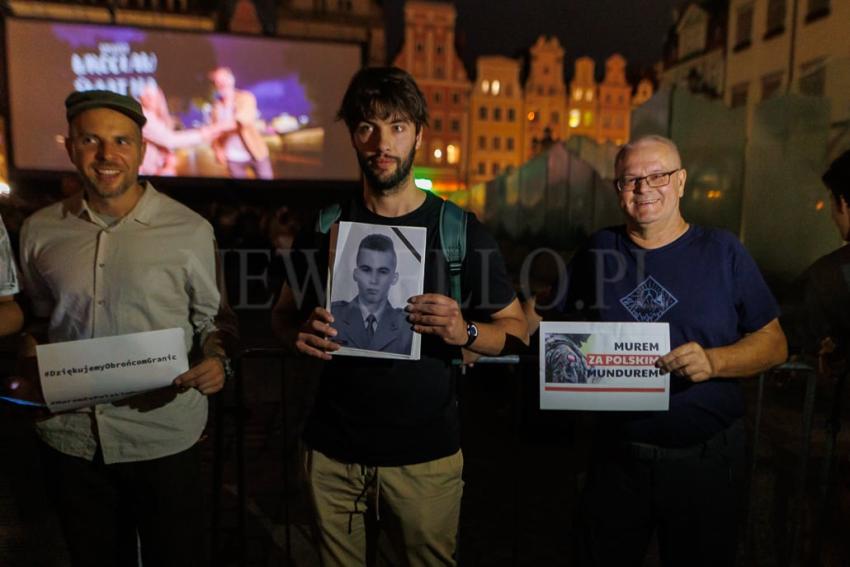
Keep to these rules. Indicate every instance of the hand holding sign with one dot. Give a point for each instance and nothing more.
(84, 373)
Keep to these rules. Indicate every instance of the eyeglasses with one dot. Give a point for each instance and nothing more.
(653, 180)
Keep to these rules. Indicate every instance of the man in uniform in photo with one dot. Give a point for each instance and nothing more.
(369, 321)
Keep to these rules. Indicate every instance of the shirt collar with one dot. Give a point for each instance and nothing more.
(364, 311)
(143, 212)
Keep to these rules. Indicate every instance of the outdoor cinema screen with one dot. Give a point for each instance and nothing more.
(217, 105)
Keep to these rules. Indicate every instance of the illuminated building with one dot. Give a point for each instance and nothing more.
(615, 105)
(584, 102)
(496, 125)
(545, 96)
(359, 21)
(643, 92)
(428, 53)
(770, 51)
(694, 53)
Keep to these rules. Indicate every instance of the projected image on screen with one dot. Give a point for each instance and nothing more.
(217, 106)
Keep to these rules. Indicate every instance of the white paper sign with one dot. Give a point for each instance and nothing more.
(83, 373)
(603, 366)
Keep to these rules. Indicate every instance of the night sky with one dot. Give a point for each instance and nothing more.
(596, 28)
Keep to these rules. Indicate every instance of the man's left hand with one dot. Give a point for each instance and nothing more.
(690, 361)
(207, 377)
(435, 314)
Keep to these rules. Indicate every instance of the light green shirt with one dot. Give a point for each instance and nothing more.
(153, 269)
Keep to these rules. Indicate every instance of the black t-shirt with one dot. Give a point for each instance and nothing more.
(397, 412)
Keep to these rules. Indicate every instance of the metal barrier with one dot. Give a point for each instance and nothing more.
(235, 410)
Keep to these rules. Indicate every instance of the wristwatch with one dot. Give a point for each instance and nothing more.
(471, 333)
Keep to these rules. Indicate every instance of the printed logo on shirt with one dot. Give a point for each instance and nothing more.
(648, 301)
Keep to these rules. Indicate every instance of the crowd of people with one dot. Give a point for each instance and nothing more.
(383, 444)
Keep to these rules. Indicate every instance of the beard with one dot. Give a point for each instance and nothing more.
(392, 182)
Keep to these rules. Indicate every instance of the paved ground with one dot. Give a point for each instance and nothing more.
(523, 471)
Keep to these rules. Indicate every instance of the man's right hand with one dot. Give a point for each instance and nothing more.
(311, 339)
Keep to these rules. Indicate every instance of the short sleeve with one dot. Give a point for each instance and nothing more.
(485, 283)
(754, 301)
(39, 294)
(8, 272)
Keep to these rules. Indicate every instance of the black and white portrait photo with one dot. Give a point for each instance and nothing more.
(375, 269)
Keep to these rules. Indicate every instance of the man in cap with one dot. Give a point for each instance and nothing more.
(121, 258)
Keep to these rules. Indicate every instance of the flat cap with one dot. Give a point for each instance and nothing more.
(80, 101)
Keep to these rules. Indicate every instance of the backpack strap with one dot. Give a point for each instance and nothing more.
(453, 239)
(327, 217)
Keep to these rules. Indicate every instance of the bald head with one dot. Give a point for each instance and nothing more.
(674, 159)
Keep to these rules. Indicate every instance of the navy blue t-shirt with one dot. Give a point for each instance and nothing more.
(710, 291)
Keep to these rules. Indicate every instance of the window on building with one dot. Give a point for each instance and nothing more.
(482, 168)
(540, 90)
(455, 97)
(533, 116)
(482, 113)
(437, 152)
(577, 94)
(495, 169)
(606, 121)
(575, 118)
(509, 143)
(482, 142)
(618, 122)
(744, 27)
(439, 72)
(775, 18)
(552, 91)
(485, 86)
(496, 87)
(545, 69)
(344, 5)
(439, 49)
(770, 84)
(607, 99)
(589, 95)
(453, 153)
(509, 90)
(497, 143)
(555, 118)
(454, 125)
(497, 113)
(621, 99)
(817, 9)
(813, 78)
(438, 125)
(588, 118)
(438, 97)
(511, 115)
(739, 96)
(419, 47)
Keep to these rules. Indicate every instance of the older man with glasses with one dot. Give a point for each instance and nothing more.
(676, 473)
